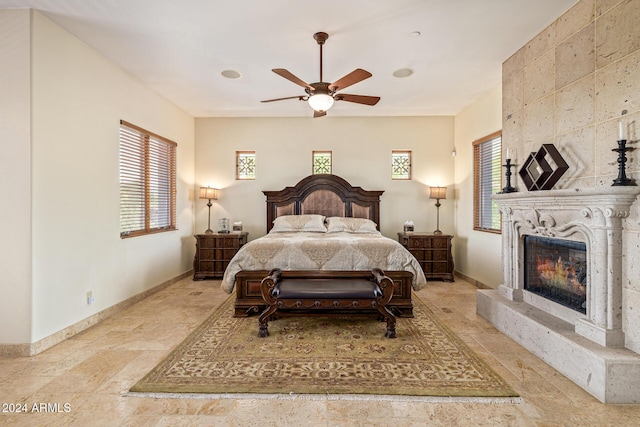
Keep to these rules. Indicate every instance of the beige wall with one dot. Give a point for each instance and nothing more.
(361, 154)
(568, 86)
(71, 143)
(477, 253)
(15, 179)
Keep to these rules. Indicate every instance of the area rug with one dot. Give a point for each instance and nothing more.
(334, 355)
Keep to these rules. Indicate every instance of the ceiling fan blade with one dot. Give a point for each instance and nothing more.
(301, 98)
(352, 78)
(317, 114)
(289, 76)
(358, 99)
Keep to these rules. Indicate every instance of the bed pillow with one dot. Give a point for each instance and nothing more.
(350, 225)
(289, 223)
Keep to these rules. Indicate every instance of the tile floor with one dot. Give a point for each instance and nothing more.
(84, 380)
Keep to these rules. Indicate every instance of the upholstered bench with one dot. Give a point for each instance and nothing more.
(364, 292)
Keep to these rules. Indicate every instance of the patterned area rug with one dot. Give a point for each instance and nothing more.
(308, 355)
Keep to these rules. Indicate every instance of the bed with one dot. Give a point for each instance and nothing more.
(349, 242)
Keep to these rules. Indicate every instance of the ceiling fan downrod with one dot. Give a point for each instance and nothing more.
(321, 37)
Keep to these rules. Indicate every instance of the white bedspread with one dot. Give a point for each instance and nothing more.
(323, 251)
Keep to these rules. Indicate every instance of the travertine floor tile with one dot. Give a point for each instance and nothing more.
(92, 372)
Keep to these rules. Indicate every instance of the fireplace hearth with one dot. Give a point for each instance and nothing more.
(556, 269)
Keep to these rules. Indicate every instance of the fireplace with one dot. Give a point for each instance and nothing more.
(556, 269)
(561, 295)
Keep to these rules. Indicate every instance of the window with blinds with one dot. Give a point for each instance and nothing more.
(487, 173)
(147, 182)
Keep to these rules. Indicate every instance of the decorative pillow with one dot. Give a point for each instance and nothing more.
(351, 225)
(289, 223)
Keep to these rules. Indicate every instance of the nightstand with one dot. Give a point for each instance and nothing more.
(432, 251)
(213, 253)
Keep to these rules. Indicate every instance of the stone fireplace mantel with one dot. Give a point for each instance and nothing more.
(589, 349)
(593, 216)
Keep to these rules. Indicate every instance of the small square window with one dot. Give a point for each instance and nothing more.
(321, 162)
(401, 164)
(245, 165)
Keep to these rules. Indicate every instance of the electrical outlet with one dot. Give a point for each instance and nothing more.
(90, 298)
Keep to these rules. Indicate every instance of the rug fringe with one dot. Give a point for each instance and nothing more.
(332, 397)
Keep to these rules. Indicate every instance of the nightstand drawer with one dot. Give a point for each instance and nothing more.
(206, 266)
(207, 254)
(230, 242)
(440, 255)
(416, 242)
(421, 255)
(440, 243)
(207, 243)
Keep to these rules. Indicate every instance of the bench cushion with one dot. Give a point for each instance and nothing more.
(326, 288)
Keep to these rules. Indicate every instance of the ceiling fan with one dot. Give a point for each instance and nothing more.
(321, 95)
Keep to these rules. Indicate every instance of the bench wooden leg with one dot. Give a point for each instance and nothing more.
(263, 331)
(266, 288)
(263, 320)
(391, 321)
(386, 284)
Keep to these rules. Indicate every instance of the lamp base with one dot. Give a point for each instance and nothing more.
(437, 232)
(208, 231)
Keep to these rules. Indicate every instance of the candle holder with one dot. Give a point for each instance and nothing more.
(508, 188)
(622, 179)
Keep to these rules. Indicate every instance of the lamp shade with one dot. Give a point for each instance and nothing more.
(438, 193)
(321, 101)
(208, 193)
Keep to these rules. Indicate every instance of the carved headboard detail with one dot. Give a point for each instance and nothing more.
(323, 194)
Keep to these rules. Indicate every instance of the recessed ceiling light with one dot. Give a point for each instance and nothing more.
(415, 34)
(231, 74)
(403, 72)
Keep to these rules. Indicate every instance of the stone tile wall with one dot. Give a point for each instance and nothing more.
(569, 86)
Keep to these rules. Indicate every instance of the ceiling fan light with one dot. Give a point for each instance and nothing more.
(321, 102)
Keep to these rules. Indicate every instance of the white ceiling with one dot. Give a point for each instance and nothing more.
(179, 48)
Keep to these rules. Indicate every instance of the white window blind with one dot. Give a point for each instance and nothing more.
(487, 166)
(147, 182)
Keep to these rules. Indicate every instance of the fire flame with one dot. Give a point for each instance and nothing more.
(560, 274)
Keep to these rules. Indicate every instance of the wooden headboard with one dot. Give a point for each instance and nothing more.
(323, 194)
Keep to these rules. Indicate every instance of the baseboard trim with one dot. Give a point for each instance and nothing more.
(23, 350)
(471, 280)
